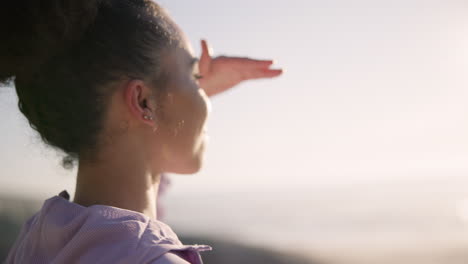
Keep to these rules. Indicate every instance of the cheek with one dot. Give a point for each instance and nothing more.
(184, 120)
(183, 140)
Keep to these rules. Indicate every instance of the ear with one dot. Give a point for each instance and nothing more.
(138, 99)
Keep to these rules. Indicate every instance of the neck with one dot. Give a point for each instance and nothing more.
(118, 184)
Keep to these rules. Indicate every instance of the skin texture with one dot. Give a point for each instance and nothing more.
(138, 150)
(225, 72)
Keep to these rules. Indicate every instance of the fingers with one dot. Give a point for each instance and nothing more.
(262, 73)
(269, 73)
(206, 48)
(262, 63)
(259, 64)
(248, 62)
(205, 58)
(252, 68)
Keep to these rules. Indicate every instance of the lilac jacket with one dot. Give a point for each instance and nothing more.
(66, 232)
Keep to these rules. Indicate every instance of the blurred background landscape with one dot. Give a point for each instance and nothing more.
(357, 154)
(391, 222)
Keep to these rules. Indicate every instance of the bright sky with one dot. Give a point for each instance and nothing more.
(373, 90)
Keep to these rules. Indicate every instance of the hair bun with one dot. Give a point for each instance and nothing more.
(32, 31)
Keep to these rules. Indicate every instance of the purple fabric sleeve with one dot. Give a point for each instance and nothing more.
(66, 232)
(170, 258)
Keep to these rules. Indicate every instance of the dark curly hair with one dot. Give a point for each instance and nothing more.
(62, 56)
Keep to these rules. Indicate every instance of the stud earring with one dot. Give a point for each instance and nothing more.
(151, 118)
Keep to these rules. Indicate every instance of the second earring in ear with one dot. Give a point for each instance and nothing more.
(151, 118)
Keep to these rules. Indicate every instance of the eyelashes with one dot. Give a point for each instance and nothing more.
(198, 76)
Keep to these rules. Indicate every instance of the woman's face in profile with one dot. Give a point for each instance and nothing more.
(185, 109)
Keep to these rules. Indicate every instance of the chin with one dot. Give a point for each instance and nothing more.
(189, 170)
(191, 164)
(196, 166)
(196, 162)
(191, 167)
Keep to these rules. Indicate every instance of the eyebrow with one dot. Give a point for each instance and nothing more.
(193, 61)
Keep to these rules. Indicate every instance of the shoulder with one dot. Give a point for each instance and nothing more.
(170, 258)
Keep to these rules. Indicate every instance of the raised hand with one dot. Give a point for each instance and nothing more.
(222, 73)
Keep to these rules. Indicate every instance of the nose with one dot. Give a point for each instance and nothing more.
(208, 105)
(207, 100)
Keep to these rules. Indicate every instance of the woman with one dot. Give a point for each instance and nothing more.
(113, 84)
